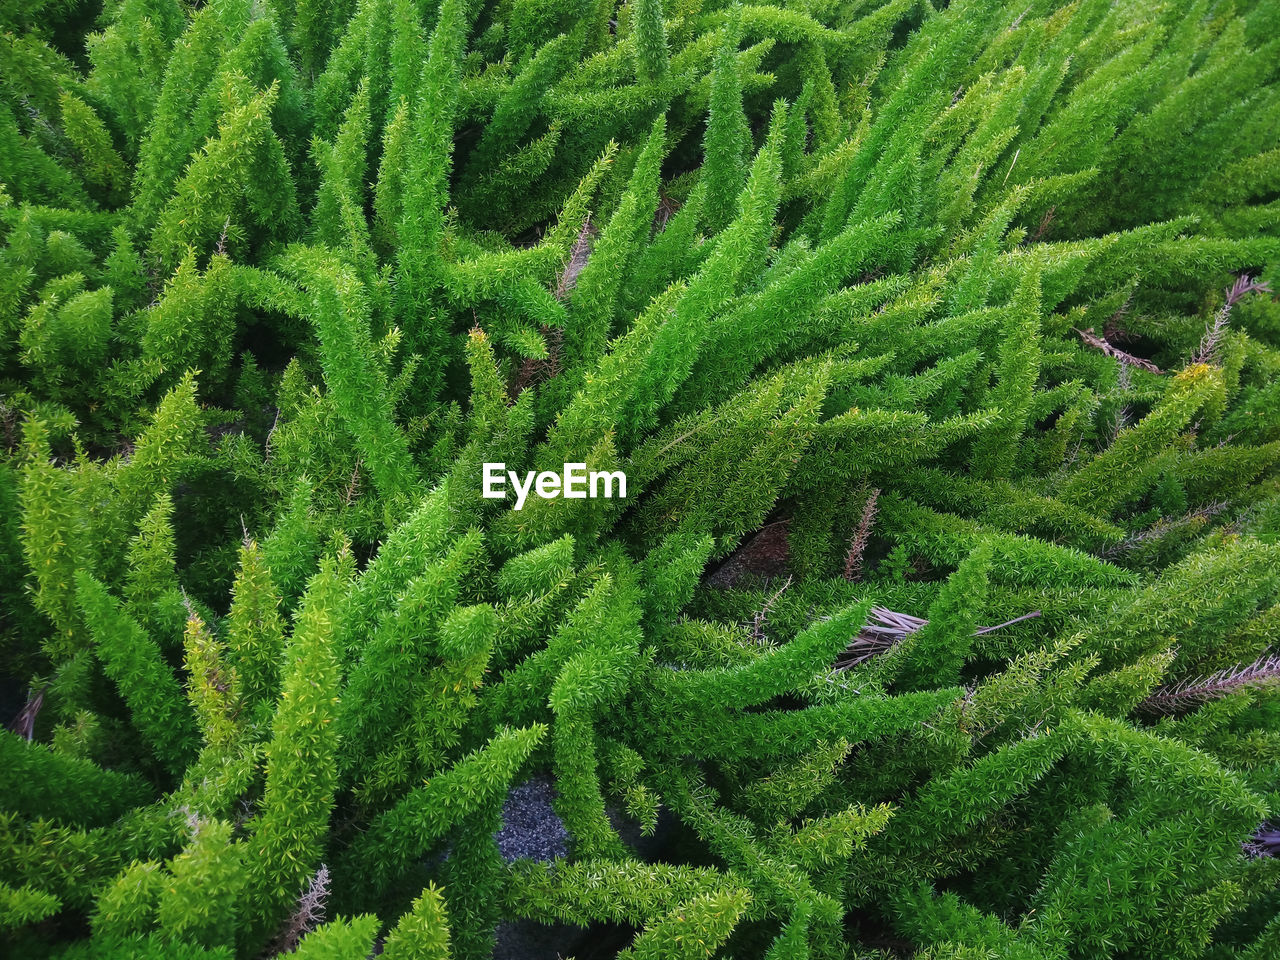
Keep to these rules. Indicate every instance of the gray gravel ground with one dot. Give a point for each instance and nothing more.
(530, 826)
(532, 829)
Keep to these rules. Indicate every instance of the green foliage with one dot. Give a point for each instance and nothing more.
(22, 905)
(301, 756)
(255, 640)
(423, 932)
(134, 663)
(46, 783)
(339, 939)
(938, 344)
(202, 900)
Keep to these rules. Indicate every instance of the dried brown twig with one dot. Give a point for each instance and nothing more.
(1208, 350)
(757, 623)
(858, 544)
(353, 488)
(1112, 330)
(222, 240)
(1165, 527)
(883, 630)
(1264, 842)
(1186, 695)
(309, 913)
(668, 207)
(886, 628)
(1124, 383)
(24, 724)
(535, 370)
(1111, 350)
(1045, 223)
(577, 261)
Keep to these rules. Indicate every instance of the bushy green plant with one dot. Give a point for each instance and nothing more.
(938, 346)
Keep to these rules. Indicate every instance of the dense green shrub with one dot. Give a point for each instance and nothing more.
(936, 342)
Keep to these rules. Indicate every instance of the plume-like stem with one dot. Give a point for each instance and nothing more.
(886, 628)
(1186, 695)
(1207, 352)
(858, 543)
